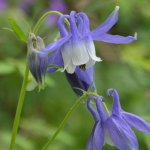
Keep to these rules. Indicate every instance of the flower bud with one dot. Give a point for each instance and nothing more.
(37, 65)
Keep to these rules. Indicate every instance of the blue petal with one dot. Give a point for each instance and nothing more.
(80, 25)
(74, 81)
(86, 76)
(73, 26)
(43, 67)
(79, 52)
(62, 29)
(86, 26)
(117, 39)
(116, 104)
(121, 134)
(104, 27)
(54, 46)
(136, 122)
(92, 110)
(100, 109)
(55, 59)
(97, 137)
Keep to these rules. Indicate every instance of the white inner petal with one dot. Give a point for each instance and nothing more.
(90, 63)
(91, 49)
(71, 67)
(108, 138)
(79, 53)
(65, 51)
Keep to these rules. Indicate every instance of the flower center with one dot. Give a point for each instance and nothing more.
(83, 67)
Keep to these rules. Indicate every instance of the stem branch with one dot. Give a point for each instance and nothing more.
(69, 114)
(64, 121)
(45, 15)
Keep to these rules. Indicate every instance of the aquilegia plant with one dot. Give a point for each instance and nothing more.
(74, 54)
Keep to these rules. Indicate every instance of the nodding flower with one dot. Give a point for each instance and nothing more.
(76, 47)
(114, 129)
(37, 65)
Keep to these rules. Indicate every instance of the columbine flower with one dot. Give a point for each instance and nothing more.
(116, 128)
(77, 47)
(79, 79)
(37, 65)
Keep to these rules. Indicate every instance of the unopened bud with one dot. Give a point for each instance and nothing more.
(37, 65)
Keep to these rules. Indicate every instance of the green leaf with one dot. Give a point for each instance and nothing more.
(17, 30)
(54, 66)
(60, 68)
(79, 89)
(90, 88)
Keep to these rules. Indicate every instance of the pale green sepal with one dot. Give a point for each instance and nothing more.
(54, 66)
(32, 84)
(79, 89)
(90, 88)
(60, 68)
(17, 30)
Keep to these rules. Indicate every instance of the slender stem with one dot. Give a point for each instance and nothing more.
(19, 107)
(88, 94)
(64, 121)
(105, 107)
(47, 14)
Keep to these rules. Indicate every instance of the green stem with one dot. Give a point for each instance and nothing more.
(19, 107)
(69, 114)
(64, 121)
(47, 14)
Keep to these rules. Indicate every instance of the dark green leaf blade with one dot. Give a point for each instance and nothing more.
(17, 30)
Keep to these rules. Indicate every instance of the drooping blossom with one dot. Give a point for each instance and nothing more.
(37, 65)
(79, 79)
(114, 129)
(77, 47)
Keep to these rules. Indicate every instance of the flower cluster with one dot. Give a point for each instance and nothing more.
(75, 52)
(114, 129)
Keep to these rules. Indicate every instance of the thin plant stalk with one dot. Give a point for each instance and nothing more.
(19, 108)
(25, 82)
(86, 95)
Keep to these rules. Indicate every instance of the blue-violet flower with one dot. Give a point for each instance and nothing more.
(116, 128)
(77, 47)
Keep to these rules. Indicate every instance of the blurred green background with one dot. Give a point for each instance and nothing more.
(125, 68)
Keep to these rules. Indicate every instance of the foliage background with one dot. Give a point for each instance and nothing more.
(125, 68)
